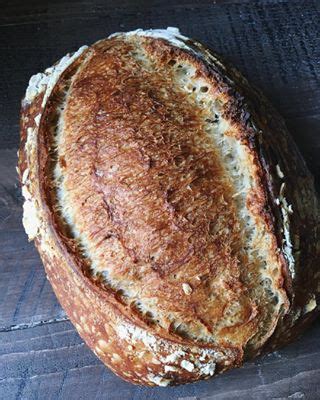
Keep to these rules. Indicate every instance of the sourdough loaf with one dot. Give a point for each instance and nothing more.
(176, 220)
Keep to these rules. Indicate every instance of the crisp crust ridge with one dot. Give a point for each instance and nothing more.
(125, 339)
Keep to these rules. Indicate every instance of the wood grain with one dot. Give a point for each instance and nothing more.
(276, 45)
(50, 361)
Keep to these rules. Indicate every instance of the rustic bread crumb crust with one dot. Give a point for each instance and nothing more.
(159, 191)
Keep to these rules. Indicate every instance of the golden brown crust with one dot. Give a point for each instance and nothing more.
(150, 177)
(169, 169)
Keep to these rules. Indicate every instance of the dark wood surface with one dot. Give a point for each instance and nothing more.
(276, 44)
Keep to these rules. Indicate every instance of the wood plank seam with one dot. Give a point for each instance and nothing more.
(32, 324)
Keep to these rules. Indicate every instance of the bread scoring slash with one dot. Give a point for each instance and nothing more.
(176, 220)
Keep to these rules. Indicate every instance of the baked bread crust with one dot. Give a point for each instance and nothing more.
(129, 341)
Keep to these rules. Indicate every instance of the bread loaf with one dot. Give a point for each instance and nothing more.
(176, 220)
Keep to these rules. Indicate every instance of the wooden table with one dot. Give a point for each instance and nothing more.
(276, 45)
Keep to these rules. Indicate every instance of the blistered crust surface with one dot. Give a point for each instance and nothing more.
(151, 355)
(151, 205)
